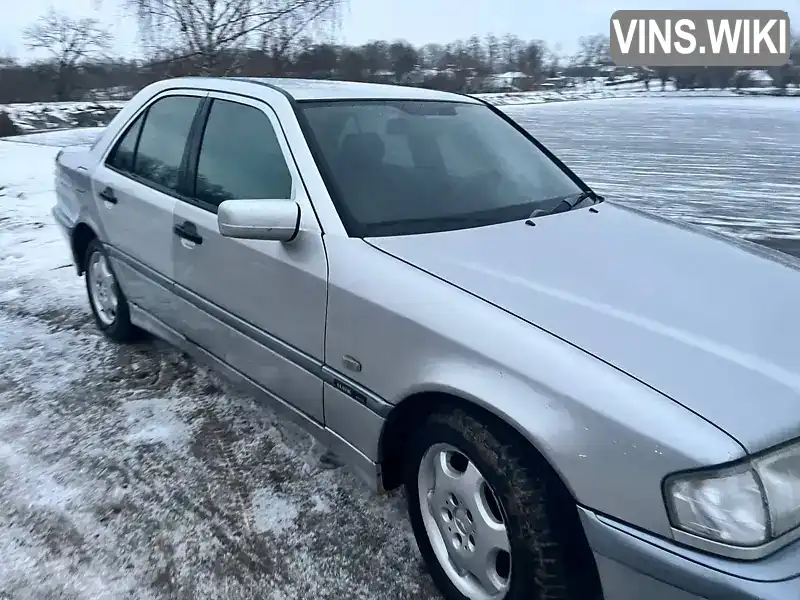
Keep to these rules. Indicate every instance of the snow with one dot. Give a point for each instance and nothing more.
(59, 115)
(597, 89)
(33, 261)
(729, 164)
(272, 512)
(47, 502)
(157, 421)
(65, 137)
(132, 472)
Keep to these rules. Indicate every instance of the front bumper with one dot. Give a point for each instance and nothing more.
(634, 565)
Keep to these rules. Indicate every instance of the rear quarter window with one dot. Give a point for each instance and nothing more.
(121, 157)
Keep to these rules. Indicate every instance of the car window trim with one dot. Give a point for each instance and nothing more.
(178, 194)
(115, 146)
(196, 141)
(181, 189)
(146, 182)
(144, 116)
(584, 187)
(194, 145)
(351, 225)
(189, 92)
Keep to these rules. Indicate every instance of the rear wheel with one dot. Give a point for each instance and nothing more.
(109, 306)
(491, 524)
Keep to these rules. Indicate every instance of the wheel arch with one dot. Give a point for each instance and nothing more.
(82, 236)
(578, 556)
(416, 406)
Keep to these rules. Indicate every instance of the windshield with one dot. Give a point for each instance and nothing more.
(407, 167)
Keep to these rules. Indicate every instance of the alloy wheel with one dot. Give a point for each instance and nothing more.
(103, 289)
(465, 523)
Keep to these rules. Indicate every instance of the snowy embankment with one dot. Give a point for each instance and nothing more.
(39, 116)
(131, 472)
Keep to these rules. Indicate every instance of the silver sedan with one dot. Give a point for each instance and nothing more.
(580, 400)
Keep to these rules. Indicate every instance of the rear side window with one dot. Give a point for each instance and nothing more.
(121, 158)
(240, 157)
(163, 140)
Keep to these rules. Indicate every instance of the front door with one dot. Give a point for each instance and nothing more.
(135, 189)
(258, 305)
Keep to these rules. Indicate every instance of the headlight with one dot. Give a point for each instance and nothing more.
(744, 505)
(780, 476)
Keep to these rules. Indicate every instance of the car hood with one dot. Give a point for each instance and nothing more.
(711, 322)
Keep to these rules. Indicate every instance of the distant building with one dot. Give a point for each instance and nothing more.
(419, 76)
(760, 78)
(746, 78)
(383, 75)
(554, 83)
(510, 81)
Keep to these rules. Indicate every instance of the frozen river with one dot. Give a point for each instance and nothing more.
(732, 164)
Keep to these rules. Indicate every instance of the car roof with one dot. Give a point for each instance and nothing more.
(325, 89)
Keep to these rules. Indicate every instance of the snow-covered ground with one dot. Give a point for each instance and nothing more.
(731, 164)
(130, 472)
(596, 89)
(63, 137)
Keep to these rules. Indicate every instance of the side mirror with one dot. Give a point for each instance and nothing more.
(276, 220)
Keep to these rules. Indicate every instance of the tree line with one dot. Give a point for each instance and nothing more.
(282, 38)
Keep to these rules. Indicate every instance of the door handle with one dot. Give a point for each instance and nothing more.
(188, 231)
(108, 195)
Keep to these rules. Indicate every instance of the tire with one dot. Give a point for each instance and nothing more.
(549, 557)
(117, 326)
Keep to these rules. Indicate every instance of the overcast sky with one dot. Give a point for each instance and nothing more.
(418, 21)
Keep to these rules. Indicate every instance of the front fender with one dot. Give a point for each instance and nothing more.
(610, 438)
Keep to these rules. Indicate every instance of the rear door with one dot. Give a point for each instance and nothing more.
(135, 189)
(258, 305)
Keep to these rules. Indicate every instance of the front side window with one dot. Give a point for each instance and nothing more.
(240, 157)
(406, 167)
(162, 141)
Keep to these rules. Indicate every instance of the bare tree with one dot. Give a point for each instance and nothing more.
(207, 29)
(593, 50)
(492, 51)
(511, 48)
(277, 41)
(69, 42)
(404, 58)
(431, 55)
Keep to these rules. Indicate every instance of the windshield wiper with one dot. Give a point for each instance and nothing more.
(568, 204)
(429, 224)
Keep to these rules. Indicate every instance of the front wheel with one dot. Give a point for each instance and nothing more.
(490, 523)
